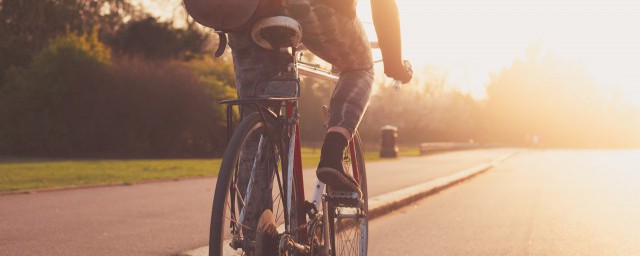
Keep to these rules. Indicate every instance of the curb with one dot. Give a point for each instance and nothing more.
(386, 203)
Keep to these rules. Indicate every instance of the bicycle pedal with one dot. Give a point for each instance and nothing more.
(343, 194)
(344, 198)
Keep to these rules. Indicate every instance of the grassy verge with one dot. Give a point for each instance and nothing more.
(17, 174)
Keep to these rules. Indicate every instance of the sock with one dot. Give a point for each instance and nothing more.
(332, 151)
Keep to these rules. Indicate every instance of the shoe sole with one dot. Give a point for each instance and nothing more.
(336, 180)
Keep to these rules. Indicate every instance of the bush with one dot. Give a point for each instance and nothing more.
(73, 101)
(26, 26)
(33, 102)
(152, 39)
(158, 110)
(559, 102)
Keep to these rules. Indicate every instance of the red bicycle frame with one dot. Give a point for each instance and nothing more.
(298, 176)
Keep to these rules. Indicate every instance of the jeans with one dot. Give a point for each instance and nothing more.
(332, 36)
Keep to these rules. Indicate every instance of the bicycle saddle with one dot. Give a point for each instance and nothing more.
(278, 32)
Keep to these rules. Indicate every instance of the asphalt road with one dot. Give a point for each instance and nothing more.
(166, 217)
(548, 202)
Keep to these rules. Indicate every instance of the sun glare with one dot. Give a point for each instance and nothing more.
(472, 39)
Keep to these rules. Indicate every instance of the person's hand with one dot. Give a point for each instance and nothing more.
(400, 71)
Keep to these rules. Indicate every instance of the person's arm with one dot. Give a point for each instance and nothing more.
(387, 24)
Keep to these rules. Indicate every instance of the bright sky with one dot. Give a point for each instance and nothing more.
(470, 39)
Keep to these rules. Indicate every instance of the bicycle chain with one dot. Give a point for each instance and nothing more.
(304, 225)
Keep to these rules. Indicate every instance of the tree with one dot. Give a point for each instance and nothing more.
(423, 111)
(27, 25)
(153, 39)
(73, 100)
(557, 100)
(33, 113)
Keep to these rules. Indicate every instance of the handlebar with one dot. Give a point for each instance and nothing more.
(397, 83)
(312, 70)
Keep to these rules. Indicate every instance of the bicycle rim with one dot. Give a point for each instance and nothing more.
(240, 195)
(350, 235)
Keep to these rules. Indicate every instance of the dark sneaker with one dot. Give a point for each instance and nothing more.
(337, 180)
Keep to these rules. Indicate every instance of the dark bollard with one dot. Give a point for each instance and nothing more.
(389, 148)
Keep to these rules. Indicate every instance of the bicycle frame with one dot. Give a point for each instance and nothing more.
(294, 154)
(319, 188)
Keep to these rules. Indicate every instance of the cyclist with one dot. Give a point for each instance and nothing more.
(331, 31)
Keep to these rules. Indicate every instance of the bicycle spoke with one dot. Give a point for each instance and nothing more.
(277, 197)
(345, 239)
(348, 238)
(254, 152)
(237, 222)
(278, 213)
(348, 228)
(258, 157)
(228, 207)
(235, 185)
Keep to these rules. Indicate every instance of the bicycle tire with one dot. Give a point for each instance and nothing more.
(219, 234)
(360, 239)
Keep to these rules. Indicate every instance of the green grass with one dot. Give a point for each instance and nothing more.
(20, 174)
(27, 174)
(311, 157)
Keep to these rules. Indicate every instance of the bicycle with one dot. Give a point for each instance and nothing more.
(268, 139)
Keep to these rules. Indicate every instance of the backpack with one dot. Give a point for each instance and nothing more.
(230, 15)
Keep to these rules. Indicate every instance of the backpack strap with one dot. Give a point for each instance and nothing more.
(222, 43)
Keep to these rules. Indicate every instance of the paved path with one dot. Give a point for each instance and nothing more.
(166, 217)
(548, 202)
(387, 176)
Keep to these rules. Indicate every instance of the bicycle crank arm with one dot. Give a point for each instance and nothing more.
(288, 245)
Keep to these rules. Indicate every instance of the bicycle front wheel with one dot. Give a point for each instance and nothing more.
(349, 226)
(248, 184)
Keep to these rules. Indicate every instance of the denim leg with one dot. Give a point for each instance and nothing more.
(337, 39)
(253, 64)
(341, 41)
(350, 99)
(260, 197)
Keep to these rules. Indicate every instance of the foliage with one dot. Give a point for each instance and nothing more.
(217, 74)
(33, 109)
(27, 25)
(556, 100)
(163, 110)
(73, 101)
(158, 40)
(65, 95)
(313, 95)
(422, 111)
(210, 70)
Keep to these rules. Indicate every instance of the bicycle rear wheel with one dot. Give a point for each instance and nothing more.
(349, 226)
(249, 182)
